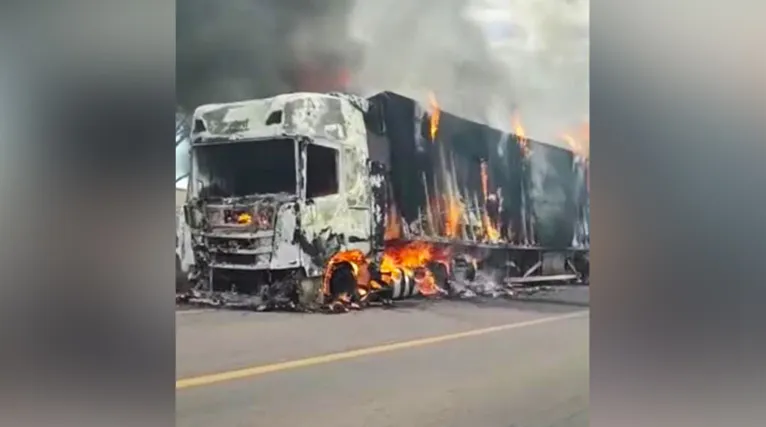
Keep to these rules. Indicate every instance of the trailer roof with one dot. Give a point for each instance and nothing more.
(466, 122)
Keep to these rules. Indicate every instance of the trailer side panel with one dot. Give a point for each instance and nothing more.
(534, 199)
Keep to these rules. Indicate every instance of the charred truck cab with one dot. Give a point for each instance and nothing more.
(276, 187)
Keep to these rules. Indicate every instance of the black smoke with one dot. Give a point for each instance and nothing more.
(241, 49)
(415, 47)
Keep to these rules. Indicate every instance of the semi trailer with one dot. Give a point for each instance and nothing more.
(309, 199)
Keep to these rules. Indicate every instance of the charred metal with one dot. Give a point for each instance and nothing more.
(296, 202)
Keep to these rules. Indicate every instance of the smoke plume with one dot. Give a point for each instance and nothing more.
(537, 64)
(242, 49)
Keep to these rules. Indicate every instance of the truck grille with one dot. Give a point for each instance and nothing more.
(234, 259)
(240, 250)
(250, 218)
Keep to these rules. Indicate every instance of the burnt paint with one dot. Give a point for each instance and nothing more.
(535, 195)
(311, 115)
(582, 201)
(325, 115)
(322, 246)
(307, 116)
(380, 206)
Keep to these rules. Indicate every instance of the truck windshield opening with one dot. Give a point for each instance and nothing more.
(247, 168)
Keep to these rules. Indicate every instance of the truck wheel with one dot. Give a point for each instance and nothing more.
(441, 276)
(342, 280)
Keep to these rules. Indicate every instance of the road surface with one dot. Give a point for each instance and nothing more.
(445, 364)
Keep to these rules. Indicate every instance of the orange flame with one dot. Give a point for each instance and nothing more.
(393, 224)
(355, 258)
(453, 215)
(435, 115)
(411, 258)
(518, 129)
(426, 282)
(414, 255)
(571, 142)
(491, 233)
(244, 218)
(578, 140)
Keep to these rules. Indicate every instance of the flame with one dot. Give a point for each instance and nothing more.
(518, 129)
(413, 255)
(355, 258)
(411, 258)
(578, 139)
(571, 142)
(244, 219)
(490, 231)
(393, 224)
(426, 282)
(454, 211)
(435, 116)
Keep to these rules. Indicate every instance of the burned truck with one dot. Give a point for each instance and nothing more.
(308, 198)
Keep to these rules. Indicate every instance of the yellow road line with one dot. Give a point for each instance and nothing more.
(334, 357)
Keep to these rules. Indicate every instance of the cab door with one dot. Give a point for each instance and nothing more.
(337, 192)
(356, 185)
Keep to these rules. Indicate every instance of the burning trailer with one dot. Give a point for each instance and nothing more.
(332, 200)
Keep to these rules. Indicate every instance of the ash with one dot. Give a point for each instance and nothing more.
(265, 301)
(487, 286)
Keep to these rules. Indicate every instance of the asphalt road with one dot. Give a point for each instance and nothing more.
(461, 364)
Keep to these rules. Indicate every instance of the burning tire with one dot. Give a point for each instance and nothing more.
(342, 281)
(440, 272)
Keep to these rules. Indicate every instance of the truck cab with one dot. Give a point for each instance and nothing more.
(276, 187)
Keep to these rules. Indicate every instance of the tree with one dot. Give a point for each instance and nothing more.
(183, 126)
(183, 130)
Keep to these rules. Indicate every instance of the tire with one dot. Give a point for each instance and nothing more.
(441, 276)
